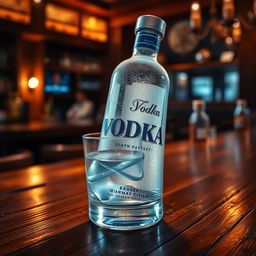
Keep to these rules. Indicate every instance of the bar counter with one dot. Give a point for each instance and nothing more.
(32, 135)
(209, 206)
(46, 129)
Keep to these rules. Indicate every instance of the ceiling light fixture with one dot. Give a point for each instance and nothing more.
(230, 26)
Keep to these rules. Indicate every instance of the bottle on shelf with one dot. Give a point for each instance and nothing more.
(48, 107)
(15, 106)
(137, 106)
(65, 60)
(199, 122)
(241, 115)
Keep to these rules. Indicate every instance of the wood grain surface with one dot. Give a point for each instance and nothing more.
(209, 206)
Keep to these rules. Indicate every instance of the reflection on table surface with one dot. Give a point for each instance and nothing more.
(209, 206)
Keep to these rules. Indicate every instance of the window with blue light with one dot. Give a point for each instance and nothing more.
(202, 88)
(231, 90)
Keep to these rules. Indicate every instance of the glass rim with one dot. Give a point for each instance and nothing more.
(91, 135)
(96, 136)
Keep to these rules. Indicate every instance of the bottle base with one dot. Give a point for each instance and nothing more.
(123, 217)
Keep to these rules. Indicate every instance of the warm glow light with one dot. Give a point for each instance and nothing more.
(35, 175)
(94, 28)
(236, 32)
(229, 41)
(228, 10)
(92, 21)
(37, 1)
(61, 19)
(33, 82)
(14, 16)
(195, 16)
(236, 24)
(195, 6)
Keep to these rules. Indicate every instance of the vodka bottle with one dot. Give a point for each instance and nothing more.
(241, 115)
(137, 106)
(199, 122)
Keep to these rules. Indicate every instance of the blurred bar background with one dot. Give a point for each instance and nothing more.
(50, 49)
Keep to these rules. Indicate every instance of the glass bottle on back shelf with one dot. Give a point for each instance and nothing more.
(199, 122)
(241, 116)
(137, 107)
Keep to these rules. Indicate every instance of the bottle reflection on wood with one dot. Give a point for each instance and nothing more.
(241, 116)
(199, 122)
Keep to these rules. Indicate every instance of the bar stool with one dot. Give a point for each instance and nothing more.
(16, 161)
(60, 152)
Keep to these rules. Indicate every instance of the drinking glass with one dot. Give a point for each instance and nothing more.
(118, 198)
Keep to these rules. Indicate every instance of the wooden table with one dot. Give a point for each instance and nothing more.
(209, 206)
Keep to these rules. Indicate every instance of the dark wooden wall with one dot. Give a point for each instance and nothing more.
(247, 58)
(30, 64)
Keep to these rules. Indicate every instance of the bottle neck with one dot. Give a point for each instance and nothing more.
(199, 112)
(199, 109)
(241, 106)
(147, 43)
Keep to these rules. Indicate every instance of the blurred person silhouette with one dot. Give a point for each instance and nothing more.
(82, 109)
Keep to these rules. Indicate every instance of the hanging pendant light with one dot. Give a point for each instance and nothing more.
(228, 10)
(236, 31)
(195, 16)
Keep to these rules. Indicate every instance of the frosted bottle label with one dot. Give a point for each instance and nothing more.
(240, 122)
(141, 114)
(201, 133)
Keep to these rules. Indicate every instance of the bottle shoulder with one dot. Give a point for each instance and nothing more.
(239, 111)
(141, 67)
(198, 117)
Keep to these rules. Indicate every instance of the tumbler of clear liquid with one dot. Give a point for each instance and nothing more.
(117, 183)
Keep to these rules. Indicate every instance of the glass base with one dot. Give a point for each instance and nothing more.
(123, 217)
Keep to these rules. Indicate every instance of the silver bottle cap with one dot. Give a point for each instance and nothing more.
(198, 105)
(151, 22)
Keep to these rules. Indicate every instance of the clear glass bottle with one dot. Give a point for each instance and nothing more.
(241, 115)
(199, 122)
(137, 106)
